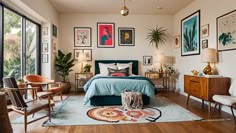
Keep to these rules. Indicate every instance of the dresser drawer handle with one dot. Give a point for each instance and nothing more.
(195, 81)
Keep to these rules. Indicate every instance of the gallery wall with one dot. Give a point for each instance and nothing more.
(210, 10)
(141, 24)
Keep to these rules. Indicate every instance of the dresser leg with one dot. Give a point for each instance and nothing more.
(188, 99)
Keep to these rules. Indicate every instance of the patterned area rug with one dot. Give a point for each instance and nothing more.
(71, 111)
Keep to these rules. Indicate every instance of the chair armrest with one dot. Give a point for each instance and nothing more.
(26, 88)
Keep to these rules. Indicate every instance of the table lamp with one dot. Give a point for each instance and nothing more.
(209, 55)
(81, 59)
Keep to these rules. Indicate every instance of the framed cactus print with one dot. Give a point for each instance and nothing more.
(226, 31)
(190, 34)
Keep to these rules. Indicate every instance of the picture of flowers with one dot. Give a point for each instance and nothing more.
(105, 32)
(226, 31)
(190, 34)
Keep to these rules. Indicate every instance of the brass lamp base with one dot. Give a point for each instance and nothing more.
(207, 70)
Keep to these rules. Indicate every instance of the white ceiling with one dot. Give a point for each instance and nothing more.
(169, 7)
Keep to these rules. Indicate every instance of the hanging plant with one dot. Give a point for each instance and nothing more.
(157, 36)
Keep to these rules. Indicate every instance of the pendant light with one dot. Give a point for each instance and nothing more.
(124, 10)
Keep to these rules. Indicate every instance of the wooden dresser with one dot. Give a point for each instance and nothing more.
(205, 87)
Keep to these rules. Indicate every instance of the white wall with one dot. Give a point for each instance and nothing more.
(210, 10)
(140, 22)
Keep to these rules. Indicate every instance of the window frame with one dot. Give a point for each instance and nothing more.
(23, 52)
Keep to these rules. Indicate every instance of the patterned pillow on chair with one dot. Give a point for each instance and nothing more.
(121, 72)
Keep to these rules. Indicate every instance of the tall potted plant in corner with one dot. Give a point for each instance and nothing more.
(157, 36)
(64, 63)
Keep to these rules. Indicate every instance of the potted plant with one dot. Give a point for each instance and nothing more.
(157, 36)
(64, 63)
(87, 68)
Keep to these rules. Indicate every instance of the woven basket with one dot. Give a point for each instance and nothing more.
(5, 126)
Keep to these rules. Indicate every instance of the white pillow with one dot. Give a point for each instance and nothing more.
(125, 65)
(104, 68)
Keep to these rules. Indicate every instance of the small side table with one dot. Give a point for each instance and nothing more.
(81, 79)
(154, 76)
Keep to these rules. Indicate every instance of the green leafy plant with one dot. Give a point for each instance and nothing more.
(157, 36)
(87, 68)
(64, 63)
(169, 69)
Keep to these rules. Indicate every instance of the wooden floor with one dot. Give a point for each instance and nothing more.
(220, 123)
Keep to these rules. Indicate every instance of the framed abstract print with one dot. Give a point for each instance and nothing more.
(205, 31)
(126, 36)
(204, 44)
(82, 36)
(54, 30)
(190, 34)
(105, 35)
(226, 31)
(87, 52)
(147, 60)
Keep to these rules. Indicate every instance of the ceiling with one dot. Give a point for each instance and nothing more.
(164, 7)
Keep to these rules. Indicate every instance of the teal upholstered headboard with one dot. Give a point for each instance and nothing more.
(134, 64)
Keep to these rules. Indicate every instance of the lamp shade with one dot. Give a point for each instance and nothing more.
(209, 55)
(82, 57)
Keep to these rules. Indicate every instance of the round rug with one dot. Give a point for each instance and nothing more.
(116, 114)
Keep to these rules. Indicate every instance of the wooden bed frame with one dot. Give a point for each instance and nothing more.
(114, 100)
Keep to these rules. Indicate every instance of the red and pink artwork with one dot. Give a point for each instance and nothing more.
(105, 35)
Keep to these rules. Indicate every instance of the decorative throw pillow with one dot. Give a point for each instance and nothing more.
(121, 72)
(104, 68)
(125, 65)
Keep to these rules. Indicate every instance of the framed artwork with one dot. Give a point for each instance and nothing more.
(147, 60)
(44, 31)
(177, 41)
(54, 45)
(54, 30)
(204, 44)
(226, 31)
(126, 36)
(82, 36)
(205, 31)
(105, 35)
(45, 47)
(190, 34)
(45, 58)
(87, 52)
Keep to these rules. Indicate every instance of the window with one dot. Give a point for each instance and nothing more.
(20, 46)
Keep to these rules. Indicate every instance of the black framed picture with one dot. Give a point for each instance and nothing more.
(82, 37)
(226, 29)
(147, 60)
(190, 34)
(54, 30)
(204, 44)
(126, 36)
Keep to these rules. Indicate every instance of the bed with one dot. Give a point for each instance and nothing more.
(105, 90)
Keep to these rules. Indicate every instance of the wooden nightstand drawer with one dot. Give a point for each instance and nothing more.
(195, 88)
(195, 79)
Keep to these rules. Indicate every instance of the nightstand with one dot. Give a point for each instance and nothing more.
(81, 79)
(160, 79)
